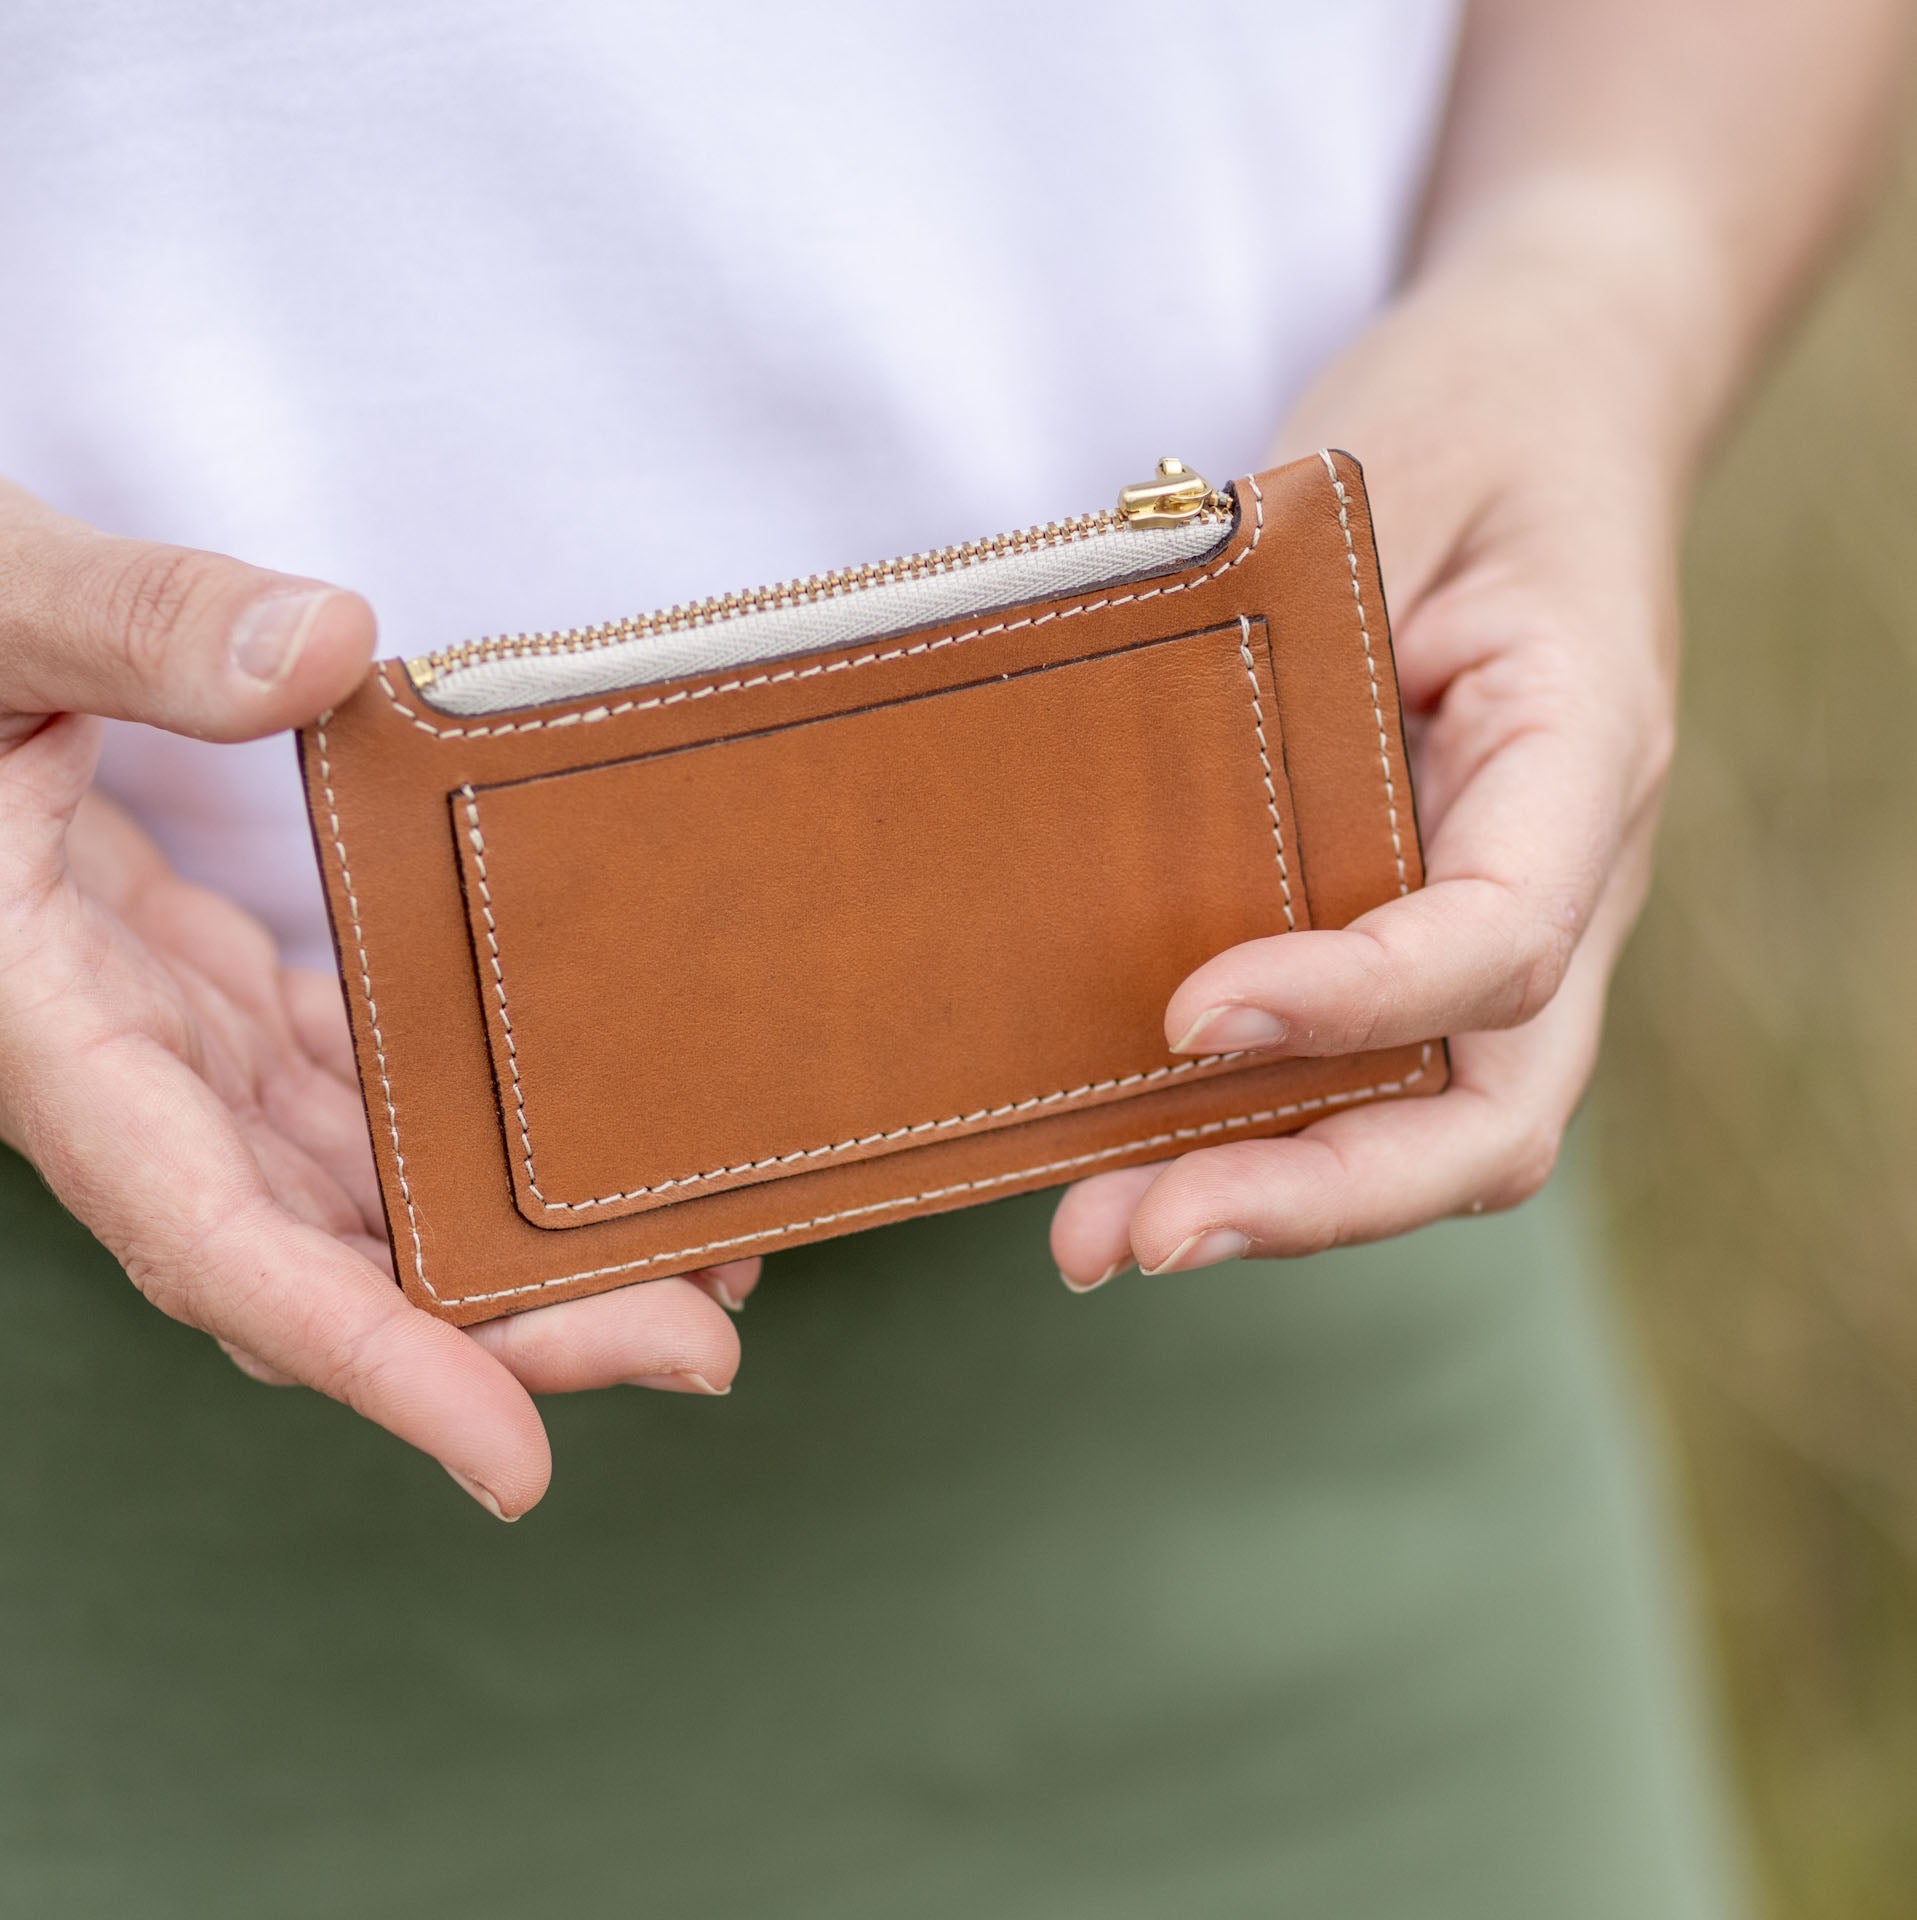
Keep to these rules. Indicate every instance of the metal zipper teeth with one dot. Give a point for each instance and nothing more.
(427, 668)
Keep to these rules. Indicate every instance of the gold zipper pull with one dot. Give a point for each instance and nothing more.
(1169, 500)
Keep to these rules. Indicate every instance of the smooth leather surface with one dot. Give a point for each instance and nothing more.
(871, 893)
(750, 959)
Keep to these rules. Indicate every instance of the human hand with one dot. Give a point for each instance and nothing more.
(193, 1101)
(1527, 529)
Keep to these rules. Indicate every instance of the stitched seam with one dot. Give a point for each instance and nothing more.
(595, 714)
(1145, 1144)
(1371, 670)
(372, 1005)
(1142, 1077)
(478, 841)
(1035, 1101)
(1264, 765)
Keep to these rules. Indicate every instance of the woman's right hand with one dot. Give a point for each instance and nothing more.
(190, 1099)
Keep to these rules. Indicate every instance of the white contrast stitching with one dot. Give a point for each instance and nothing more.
(1151, 1141)
(595, 714)
(372, 1006)
(478, 841)
(1143, 1077)
(1371, 669)
(1264, 763)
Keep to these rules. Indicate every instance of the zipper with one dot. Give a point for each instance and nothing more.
(1174, 518)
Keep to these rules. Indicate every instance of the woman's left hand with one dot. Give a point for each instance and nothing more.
(1528, 538)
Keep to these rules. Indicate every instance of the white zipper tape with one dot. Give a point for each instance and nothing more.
(817, 626)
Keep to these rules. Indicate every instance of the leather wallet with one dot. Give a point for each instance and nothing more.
(799, 911)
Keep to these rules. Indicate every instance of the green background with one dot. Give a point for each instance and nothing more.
(1756, 1107)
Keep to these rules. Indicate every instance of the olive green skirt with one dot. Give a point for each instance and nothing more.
(1335, 1589)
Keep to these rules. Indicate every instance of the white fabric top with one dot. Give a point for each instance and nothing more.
(481, 307)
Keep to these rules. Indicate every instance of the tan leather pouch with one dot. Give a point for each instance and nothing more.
(797, 912)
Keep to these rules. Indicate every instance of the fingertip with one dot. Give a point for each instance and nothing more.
(1092, 1224)
(339, 648)
(297, 650)
(199, 643)
(501, 1443)
(1223, 1005)
(1076, 1285)
(425, 1380)
(511, 1479)
(1229, 1028)
(694, 1383)
(1208, 1247)
(657, 1328)
(732, 1283)
(484, 1496)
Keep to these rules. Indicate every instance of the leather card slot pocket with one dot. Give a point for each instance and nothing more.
(962, 910)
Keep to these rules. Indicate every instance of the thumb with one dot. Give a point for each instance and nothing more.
(193, 642)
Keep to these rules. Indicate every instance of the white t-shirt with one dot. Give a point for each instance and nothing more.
(517, 316)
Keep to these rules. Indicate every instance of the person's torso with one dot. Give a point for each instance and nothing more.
(520, 317)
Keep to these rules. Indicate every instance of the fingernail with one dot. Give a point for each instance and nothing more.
(268, 636)
(480, 1494)
(725, 1296)
(678, 1383)
(1087, 1286)
(1204, 1250)
(1225, 1029)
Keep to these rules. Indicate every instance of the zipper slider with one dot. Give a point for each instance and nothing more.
(1172, 497)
